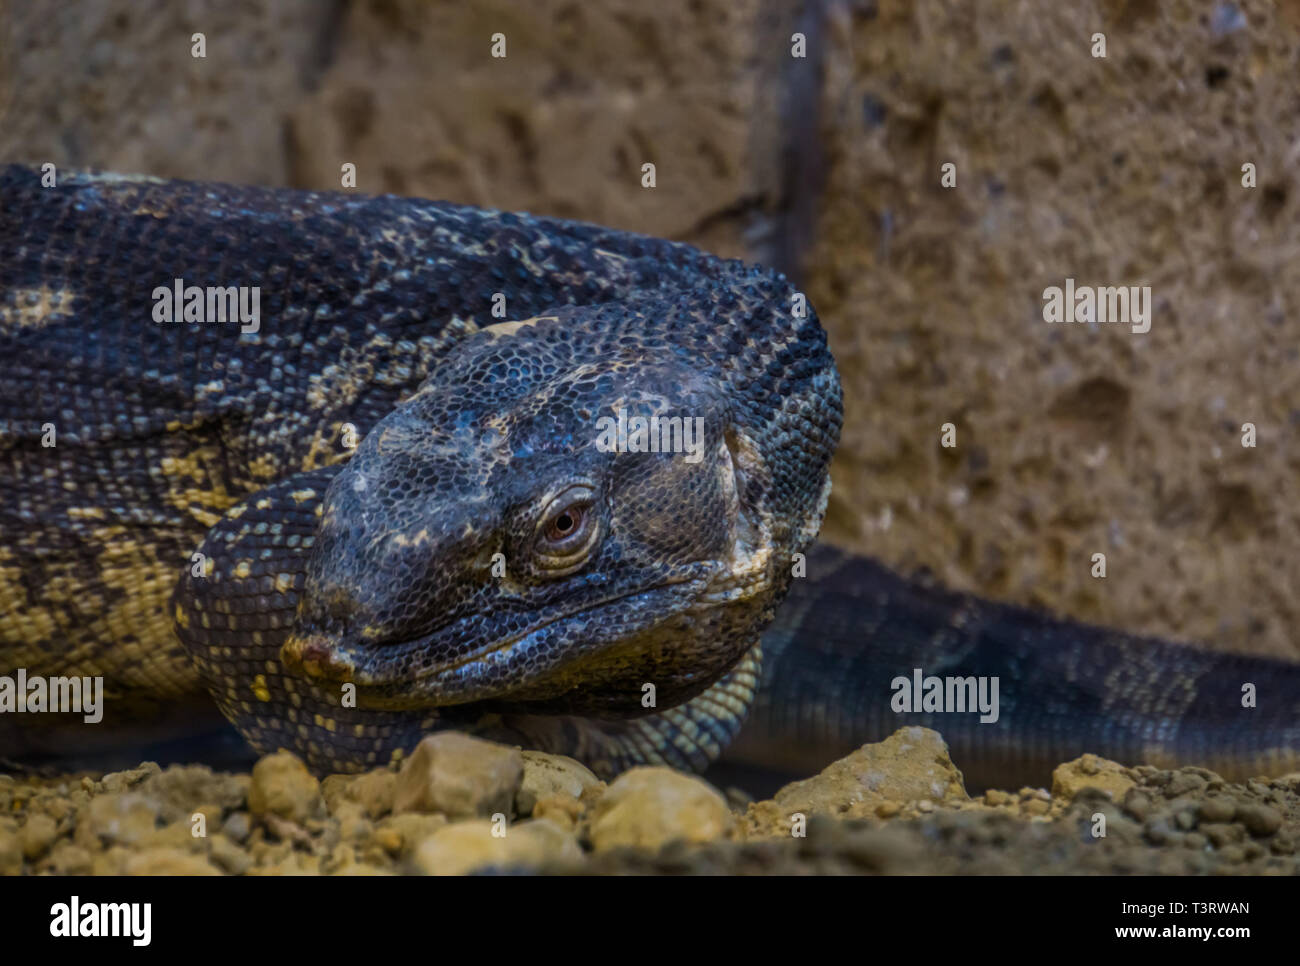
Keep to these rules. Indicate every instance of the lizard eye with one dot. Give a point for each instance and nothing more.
(567, 530)
(566, 524)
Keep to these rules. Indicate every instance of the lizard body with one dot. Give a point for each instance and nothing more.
(477, 559)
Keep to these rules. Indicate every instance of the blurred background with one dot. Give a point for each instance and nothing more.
(1116, 170)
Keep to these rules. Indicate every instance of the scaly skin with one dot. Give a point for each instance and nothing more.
(478, 561)
(318, 572)
(1065, 688)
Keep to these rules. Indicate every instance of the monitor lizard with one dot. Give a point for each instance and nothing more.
(407, 489)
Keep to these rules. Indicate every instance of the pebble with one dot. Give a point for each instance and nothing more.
(549, 775)
(649, 807)
(283, 786)
(38, 835)
(460, 777)
(1259, 820)
(473, 845)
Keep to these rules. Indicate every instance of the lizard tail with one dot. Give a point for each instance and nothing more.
(857, 652)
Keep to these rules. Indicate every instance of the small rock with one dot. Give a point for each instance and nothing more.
(353, 826)
(374, 791)
(1184, 783)
(122, 819)
(547, 775)
(237, 826)
(1089, 771)
(38, 835)
(1222, 834)
(649, 807)
(1260, 820)
(464, 847)
(120, 781)
(1232, 854)
(1159, 832)
(178, 787)
(389, 839)
(69, 859)
(410, 830)
(229, 857)
(563, 810)
(459, 776)
(910, 765)
(1216, 809)
(283, 786)
(1137, 804)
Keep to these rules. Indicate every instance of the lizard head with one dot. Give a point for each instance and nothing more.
(543, 526)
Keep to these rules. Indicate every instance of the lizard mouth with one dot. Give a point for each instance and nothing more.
(400, 673)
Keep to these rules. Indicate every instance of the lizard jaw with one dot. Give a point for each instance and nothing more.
(465, 678)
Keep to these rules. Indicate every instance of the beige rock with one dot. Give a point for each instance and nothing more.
(178, 787)
(1260, 820)
(228, 856)
(464, 847)
(68, 859)
(402, 834)
(38, 835)
(283, 786)
(564, 810)
(1217, 809)
(123, 818)
(459, 776)
(649, 807)
(388, 839)
(372, 790)
(353, 826)
(911, 765)
(546, 775)
(237, 825)
(120, 781)
(1089, 771)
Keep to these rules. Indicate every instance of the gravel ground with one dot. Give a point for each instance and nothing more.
(460, 805)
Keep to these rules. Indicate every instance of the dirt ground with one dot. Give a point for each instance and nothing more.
(460, 805)
(1125, 169)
